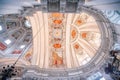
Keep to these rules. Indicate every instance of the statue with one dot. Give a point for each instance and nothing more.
(114, 68)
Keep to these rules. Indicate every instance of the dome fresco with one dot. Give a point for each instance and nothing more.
(64, 40)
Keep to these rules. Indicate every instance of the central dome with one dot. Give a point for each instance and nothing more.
(64, 40)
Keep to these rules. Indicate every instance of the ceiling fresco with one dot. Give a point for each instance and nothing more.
(63, 40)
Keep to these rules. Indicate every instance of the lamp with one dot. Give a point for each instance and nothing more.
(9, 71)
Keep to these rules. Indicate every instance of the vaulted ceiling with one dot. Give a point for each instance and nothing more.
(57, 40)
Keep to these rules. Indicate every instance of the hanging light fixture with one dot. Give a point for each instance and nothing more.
(8, 72)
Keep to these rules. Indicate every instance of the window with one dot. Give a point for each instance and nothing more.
(27, 24)
(8, 41)
(96, 76)
(22, 46)
(0, 28)
(102, 78)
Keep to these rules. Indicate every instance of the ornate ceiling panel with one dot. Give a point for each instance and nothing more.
(15, 36)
